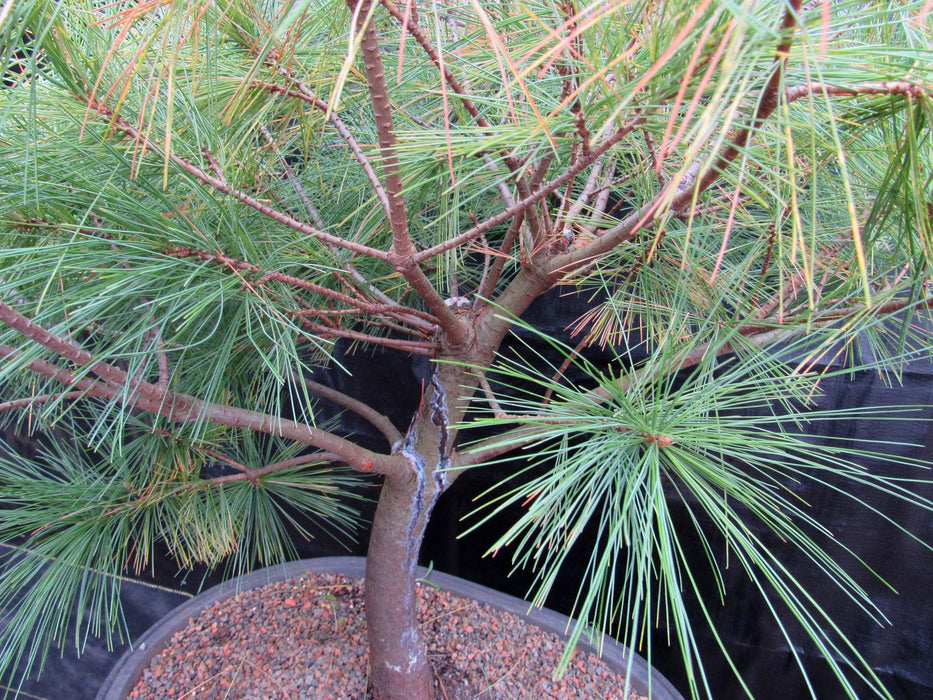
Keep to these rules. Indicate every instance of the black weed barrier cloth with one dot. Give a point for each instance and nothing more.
(900, 652)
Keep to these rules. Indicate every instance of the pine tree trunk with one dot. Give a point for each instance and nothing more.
(398, 656)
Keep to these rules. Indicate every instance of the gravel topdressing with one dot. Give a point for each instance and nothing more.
(306, 638)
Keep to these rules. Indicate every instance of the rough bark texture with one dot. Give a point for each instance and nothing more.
(398, 656)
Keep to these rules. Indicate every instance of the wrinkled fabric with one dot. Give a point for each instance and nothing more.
(900, 651)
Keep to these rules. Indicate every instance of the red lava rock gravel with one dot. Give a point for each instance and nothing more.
(306, 638)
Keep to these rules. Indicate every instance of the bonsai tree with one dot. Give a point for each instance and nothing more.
(206, 207)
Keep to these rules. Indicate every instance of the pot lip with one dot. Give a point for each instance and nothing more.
(128, 670)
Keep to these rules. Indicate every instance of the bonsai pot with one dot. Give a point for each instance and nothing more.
(125, 676)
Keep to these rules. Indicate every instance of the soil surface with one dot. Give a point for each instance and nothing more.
(305, 638)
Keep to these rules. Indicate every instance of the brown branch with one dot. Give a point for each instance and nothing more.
(564, 224)
(491, 277)
(5, 351)
(177, 407)
(377, 309)
(490, 396)
(515, 166)
(153, 337)
(893, 87)
(601, 201)
(382, 319)
(401, 254)
(111, 375)
(253, 475)
(378, 420)
(789, 289)
(402, 245)
(769, 101)
(425, 324)
(229, 461)
(429, 349)
(559, 374)
(569, 89)
(483, 246)
(246, 474)
(411, 26)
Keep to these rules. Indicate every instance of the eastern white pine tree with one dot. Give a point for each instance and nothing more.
(199, 199)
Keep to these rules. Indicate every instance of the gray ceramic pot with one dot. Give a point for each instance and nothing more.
(129, 669)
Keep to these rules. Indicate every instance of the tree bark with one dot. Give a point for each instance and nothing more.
(398, 658)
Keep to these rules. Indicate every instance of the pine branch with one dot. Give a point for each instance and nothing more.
(310, 209)
(410, 26)
(491, 276)
(253, 475)
(401, 254)
(901, 88)
(770, 98)
(220, 184)
(753, 334)
(426, 348)
(115, 385)
(378, 420)
(677, 195)
(6, 351)
(418, 319)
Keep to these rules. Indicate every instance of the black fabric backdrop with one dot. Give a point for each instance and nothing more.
(900, 652)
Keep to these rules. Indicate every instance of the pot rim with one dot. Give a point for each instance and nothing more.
(125, 675)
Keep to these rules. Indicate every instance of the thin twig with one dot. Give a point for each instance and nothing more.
(305, 94)
(449, 78)
(770, 98)
(378, 420)
(221, 186)
(559, 374)
(491, 398)
(43, 398)
(565, 220)
(428, 349)
(310, 209)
